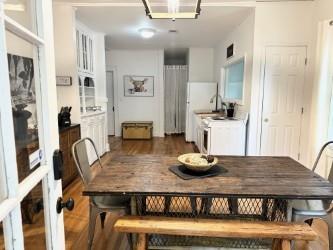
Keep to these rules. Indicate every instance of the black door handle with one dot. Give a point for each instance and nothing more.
(69, 204)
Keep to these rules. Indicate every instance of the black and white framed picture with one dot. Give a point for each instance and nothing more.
(22, 80)
(138, 86)
(23, 96)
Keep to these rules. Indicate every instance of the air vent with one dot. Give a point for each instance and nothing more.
(173, 31)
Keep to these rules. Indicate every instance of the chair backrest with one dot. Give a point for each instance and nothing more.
(80, 155)
(330, 176)
(326, 203)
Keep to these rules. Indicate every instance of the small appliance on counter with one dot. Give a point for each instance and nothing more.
(64, 117)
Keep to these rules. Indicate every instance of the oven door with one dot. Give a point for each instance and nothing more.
(205, 141)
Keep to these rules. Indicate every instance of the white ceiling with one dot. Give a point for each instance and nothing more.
(121, 25)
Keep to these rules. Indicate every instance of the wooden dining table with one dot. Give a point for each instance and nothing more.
(251, 188)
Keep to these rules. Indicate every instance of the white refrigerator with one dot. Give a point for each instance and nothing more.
(198, 98)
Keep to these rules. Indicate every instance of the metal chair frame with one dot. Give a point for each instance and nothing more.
(325, 214)
(94, 208)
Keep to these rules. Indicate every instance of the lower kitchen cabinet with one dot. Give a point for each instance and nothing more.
(67, 137)
(32, 204)
(94, 127)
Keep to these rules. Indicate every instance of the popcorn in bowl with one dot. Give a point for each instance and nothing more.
(198, 162)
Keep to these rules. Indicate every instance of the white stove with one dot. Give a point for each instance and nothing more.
(223, 136)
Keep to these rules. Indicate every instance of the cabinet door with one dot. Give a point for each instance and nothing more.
(74, 135)
(64, 147)
(102, 134)
(92, 132)
(228, 139)
(84, 52)
(78, 50)
(91, 55)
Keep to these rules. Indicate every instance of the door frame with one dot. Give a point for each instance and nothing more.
(262, 89)
(113, 98)
(10, 207)
(117, 129)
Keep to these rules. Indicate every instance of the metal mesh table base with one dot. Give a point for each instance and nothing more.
(260, 209)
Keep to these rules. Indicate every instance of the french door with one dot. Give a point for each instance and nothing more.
(283, 98)
(28, 127)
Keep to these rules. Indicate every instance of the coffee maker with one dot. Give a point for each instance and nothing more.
(64, 117)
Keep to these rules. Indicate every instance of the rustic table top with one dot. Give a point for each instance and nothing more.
(262, 177)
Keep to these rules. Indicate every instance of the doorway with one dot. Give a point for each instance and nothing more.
(175, 83)
(282, 101)
(111, 103)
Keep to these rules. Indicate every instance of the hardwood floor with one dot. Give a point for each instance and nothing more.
(76, 221)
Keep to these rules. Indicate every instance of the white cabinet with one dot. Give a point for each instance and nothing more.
(94, 127)
(227, 138)
(224, 137)
(85, 51)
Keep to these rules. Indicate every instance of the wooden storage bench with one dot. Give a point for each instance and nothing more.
(137, 130)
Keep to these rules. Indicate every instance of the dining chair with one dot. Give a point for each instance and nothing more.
(307, 210)
(98, 205)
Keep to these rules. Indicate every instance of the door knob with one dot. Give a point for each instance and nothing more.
(69, 204)
(266, 120)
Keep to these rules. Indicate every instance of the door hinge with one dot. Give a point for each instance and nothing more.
(306, 61)
(299, 156)
(113, 108)
(302, 110)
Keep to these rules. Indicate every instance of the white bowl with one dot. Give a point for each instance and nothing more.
(186, 160)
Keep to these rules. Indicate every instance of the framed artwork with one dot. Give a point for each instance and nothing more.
(23, 97)
(64, 80)
(138, 86)
(22, 81)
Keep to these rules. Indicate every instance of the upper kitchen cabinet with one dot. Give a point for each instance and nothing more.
(84, 50)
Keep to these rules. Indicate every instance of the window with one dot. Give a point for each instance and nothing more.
(233, 75)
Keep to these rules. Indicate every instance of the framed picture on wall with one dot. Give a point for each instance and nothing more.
(138, 86)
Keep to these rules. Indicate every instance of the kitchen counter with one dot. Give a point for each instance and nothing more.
(92, 113)
(207, 112)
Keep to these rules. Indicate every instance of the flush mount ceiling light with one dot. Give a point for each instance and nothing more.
(173, 11)
(147, 32)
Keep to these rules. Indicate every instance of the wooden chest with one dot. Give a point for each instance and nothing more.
(137, 130)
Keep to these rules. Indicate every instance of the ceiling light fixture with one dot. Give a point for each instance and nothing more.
(147, 32)
(173, 11)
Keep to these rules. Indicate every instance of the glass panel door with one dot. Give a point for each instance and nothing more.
(28, 130)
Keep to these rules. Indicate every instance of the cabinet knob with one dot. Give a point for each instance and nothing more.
(266, 120)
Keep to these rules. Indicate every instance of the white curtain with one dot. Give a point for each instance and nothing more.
(175, 80)
(322, 119)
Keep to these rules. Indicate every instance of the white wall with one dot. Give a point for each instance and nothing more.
(201, 64)
(65, 57)
(281, 24)
(242, 38)
(141, 63)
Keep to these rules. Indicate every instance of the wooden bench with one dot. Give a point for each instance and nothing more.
(281, 232)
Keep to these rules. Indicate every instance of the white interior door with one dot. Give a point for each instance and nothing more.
(110, 95)
(282, 103)
(28, 126)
